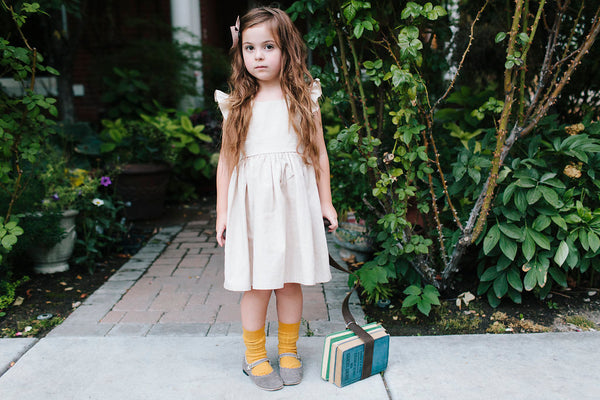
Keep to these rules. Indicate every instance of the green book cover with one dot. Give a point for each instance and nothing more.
(331, 340)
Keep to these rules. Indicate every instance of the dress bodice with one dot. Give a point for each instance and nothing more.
(270, 130)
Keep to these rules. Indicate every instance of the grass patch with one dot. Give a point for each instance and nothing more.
(32, 327)
(581, 322)
(460, 324)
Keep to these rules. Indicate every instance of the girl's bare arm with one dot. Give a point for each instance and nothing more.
(223, 177)
(324, 181)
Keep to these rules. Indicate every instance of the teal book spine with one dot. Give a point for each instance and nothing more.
(352, 360)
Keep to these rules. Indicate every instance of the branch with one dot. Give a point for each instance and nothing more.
(545, 69)
(509, 89)
(361, 90)
(471, 37)
(347, 80)
(584, 49)
(436, 212)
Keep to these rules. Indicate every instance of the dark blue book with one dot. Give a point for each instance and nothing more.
(349, 359)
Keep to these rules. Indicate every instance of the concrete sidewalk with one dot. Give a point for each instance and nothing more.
(163, 327)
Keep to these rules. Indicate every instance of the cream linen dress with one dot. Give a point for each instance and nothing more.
(275, 230)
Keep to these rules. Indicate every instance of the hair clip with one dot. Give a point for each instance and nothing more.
(235, 32)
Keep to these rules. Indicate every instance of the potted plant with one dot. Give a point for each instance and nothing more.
(139, 153)
(51, 230)
(145, 151)
(353, 236)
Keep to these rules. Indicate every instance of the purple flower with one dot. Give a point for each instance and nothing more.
(105, 181)
(55, 196)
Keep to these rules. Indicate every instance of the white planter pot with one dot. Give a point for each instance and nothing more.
(55, 259)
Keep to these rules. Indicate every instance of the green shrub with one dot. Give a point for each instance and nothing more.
(546, 220)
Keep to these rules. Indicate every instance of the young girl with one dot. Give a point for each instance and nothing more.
(272, 187)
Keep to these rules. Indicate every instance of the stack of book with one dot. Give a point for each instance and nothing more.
(343, 353)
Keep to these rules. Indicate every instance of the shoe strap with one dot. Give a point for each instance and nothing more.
(289, 355)
(255, 363)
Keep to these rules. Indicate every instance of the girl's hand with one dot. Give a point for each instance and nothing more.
(330, 214)
(221, 227)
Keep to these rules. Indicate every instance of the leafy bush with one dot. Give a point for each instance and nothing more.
(125, 94)
(546, 220)
(377, 149)
(384, 73)
(423, 298)
(26, 122)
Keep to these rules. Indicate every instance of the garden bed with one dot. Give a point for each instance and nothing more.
(571, 310)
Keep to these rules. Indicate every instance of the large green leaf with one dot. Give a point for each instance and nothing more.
(514, 296)
(8, 241)
(561, 253)
(534, 195)
(491, 239)
(541, 275)
(530, 279)
(514, 279)
(541, 223)
(550, 196)
(483, 287)
(521, 202)
(528, 247)
(594, 241)
(500, 286)
(559, 221)
(424, 306)
(583, 238)
(558, 275)
(413, 290)
(492, 299)
(410, 301)
(526, 183)
(540, 239)
(431, 294)
(508, 192)
(511, 230)
(489, 275)
(508, 247)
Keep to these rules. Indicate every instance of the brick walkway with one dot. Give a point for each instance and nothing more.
(174, 287)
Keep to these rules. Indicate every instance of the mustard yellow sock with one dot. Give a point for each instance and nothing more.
(255, 350)
(288, 336)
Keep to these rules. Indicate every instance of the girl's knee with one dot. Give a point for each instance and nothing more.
(289, 289)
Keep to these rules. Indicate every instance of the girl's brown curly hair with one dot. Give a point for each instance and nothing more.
(296, 84)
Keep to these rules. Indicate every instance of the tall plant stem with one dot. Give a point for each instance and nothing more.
(509, 91)
(462, 60)
(361, 90)
(347, 79)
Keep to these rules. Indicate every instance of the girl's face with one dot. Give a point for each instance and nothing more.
(262, 56)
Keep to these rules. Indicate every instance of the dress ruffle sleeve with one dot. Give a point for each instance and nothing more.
(222, 100)
(315, 93)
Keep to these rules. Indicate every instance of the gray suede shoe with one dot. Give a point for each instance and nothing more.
(271, 381)
(290, 376)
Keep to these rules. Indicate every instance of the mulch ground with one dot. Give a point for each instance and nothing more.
(572, 309)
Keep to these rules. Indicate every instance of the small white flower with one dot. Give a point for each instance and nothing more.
(98, 202)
